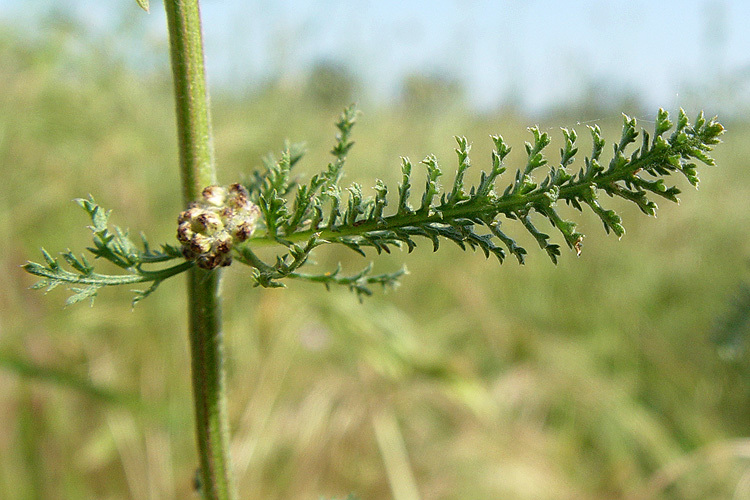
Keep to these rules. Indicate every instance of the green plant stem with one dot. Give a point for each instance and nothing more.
(193, 118)
(209, 385)
(198, 171)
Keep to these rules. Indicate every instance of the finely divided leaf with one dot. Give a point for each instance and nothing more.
(471, 216)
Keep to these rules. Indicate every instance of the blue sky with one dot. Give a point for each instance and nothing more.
(546, 52)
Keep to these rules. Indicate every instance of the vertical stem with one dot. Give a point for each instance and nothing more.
(198, 171)
(193, 117)
(209, 385)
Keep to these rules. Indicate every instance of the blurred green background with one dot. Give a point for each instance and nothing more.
(595, 379)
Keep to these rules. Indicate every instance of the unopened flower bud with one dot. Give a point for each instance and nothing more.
(238, 197)
(184, 231)
(243, 231)
(208, 261)
(214, 195)
(209, 221)
(223, 243)
(200, 243)
(209, 228)
(191, 213)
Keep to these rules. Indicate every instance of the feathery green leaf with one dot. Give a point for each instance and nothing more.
(471, 216)
(111, 244)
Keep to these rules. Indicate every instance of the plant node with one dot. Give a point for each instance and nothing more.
(209, 228)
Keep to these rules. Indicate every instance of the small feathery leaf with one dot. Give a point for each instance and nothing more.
(405, 187)
(82, 294)
(113, 245)
(432, 189)
(457, 193)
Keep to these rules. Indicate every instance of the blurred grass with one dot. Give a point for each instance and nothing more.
(595, 379)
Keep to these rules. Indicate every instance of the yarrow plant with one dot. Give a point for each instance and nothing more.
(224, 224)
(232, 222)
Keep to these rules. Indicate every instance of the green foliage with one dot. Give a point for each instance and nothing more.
(115, 246)
(321, 213)
(143, 4)
(302, 217)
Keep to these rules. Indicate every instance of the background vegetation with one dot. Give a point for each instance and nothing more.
(595, 379)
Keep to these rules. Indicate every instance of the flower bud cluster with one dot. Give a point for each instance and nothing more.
(210, 227)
